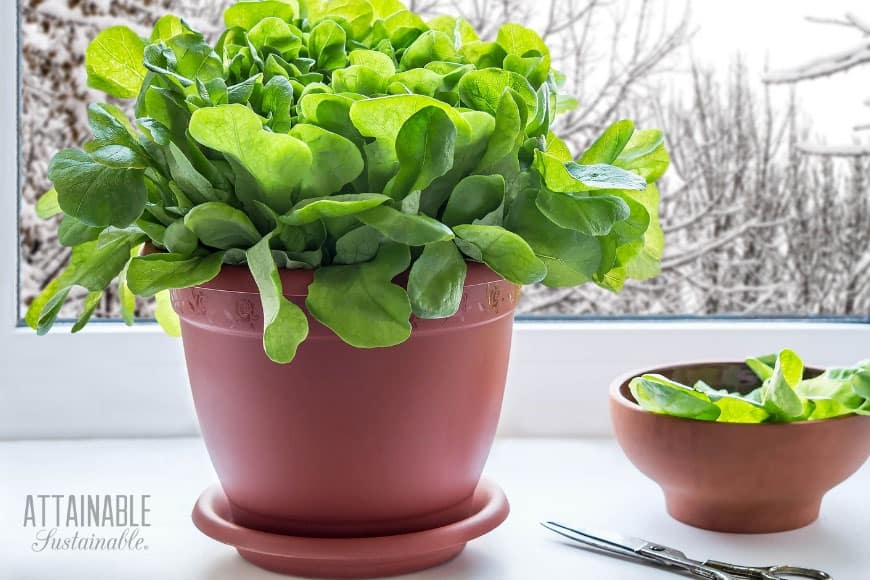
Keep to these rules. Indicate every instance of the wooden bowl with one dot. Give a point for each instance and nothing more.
(732, 477)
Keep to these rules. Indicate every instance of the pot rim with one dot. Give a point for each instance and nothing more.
(619, 396)
(237, 279)
(298, 279)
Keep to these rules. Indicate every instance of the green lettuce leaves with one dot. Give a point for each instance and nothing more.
(351, 300)
(355, 139)
(785, 394)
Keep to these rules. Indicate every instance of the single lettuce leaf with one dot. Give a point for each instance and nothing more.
(360, 244)
(504, 251)
(519, 42)
(275, 36)
(247, 14)
(485, 54)
(739, 410)
(658, 394)
(777, 394)
(277, 163)
(761, 369)
(432, 45)
(359, 79)
(861, 381)
(336, 206)
(400, 28)
(285, 325)
(733, 407)
(336, 161)
(72, 232)
(558, 148)
(424, 148)
(148, 275)
(384, 8)
(220, 226)
(168, 26)
(47, 205)
(92, 300)
(474, 198)
(591, 215)
(609, 145)
(382, 118)
(326, 45)
(645, 154)
(419, 81)
(459, 29)
(482, 90)
(571, 258)
(277, 104)
(43, 318)
(836, 384)
(165, 315)
(571, 177)
(355, 15)
(379, 62)
(360, 303)
(189, 180)
(435, 283)
(111, 129)
(95, 194)
(507, 137)
(126, 298)
(641, 232)
(113, 61)
(406, 228)
(91, 266)
(828, 409)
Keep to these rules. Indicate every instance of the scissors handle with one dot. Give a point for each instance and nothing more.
(675, 558)
(768, 572)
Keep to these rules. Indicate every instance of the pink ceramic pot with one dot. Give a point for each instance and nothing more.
(346, 442)
(730, 477)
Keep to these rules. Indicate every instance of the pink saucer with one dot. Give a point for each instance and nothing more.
(366, 557)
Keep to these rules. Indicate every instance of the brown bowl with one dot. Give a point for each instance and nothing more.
(732, 477)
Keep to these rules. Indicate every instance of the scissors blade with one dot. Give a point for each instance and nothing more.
(603, 540)
(641, 551)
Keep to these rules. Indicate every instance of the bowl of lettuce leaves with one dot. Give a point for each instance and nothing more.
(746, 447)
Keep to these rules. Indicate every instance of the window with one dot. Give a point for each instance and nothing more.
(760, 218)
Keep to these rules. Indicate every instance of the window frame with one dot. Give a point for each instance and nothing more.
(99, 384)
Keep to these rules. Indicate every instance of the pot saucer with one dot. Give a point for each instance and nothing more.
(365, 557)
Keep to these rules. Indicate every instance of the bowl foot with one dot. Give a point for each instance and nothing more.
(741, 516)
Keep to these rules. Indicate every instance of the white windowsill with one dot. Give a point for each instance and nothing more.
(114, 381)
(585, 482)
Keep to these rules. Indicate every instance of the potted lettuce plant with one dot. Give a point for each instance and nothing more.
(347, 173)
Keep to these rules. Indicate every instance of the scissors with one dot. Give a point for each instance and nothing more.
(652, 553)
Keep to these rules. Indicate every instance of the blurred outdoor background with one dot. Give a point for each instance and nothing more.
(765, 105)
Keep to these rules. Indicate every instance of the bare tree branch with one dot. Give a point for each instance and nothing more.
(836, 150)
(827, 66)
(824, 66)
(849, 21)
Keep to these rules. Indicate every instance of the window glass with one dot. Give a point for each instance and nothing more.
(765, 209)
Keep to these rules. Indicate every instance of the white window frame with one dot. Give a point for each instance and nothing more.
(114, 381)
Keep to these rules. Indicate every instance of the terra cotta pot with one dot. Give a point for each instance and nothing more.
(731, 477)
(346, 442)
